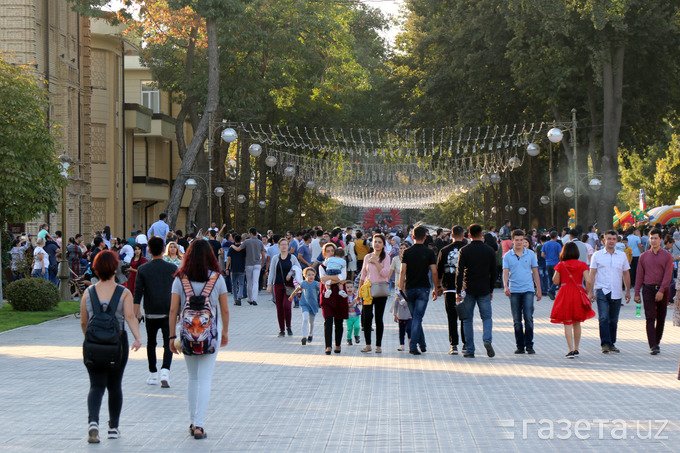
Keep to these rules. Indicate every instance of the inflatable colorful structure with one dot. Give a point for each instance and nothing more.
(378, 218)
(665, 215)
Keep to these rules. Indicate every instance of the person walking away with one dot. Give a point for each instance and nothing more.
(609, 272)
(280, 282)
(582, 249)
(199, 320)
(654, 274)
(572, 305)
(475, 278)
(551, 252)
(417, 264)
(521, 283)
(106, 363)
(354, 315)
(235, 269)
(447, 261)
(376, 269)
(542, 267)
(153, 285)
(308, 290)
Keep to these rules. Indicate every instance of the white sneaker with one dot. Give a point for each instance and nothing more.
(152, 379)
(93, 433)
(342, 293)
(327, 293)
(165, 378)
(114, 433)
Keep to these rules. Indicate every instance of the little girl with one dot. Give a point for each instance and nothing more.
(572, 305)
(309, 303)
(402, 315)
(334, 266)
(354, 319)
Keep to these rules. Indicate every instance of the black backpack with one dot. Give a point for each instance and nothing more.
(102, 348)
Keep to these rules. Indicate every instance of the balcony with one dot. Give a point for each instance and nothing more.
(138, 118)
(162, 126)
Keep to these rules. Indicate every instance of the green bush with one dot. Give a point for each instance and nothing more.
(32, 294)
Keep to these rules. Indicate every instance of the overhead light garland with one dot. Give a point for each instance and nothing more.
(404, 169)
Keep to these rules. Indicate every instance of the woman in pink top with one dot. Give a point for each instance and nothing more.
(376, 268)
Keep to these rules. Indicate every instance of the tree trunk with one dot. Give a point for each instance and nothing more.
(201, 132)
(612, 85)
(196, 196)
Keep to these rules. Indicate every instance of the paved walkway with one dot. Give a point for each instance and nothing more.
(273, 394)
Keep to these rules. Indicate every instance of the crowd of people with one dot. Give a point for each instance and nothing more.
(178, 284)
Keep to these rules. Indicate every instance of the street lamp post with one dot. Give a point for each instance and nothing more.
(191, 183)
(63, 272)
(555, 136)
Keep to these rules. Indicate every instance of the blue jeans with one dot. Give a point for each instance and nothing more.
(417, 299)
(484, 304)
(552, 288)
(608, 314)
(37, 273)
(522, 306)
(544, 278)
(238, 284)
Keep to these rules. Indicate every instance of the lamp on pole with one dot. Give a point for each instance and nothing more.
(63, 272)
(555, 136)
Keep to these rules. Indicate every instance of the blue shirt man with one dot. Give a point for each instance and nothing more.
(159, 228)
(520, 277)
(634, 242)
(304, 253)
(551, 250)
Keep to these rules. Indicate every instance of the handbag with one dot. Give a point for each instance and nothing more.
(289, 289)
(380, 289)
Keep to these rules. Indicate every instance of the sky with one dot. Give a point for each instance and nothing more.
(388, 7)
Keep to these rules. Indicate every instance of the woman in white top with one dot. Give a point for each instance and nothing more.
(201, 272)
(41, 260)
(352, 263)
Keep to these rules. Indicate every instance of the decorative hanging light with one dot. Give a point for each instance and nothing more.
(555, 135)
(270, 161)
(241, 199)
(255, 150)
(533, 149)
(229, 135)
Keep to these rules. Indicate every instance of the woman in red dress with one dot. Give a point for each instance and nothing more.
(137, 260)
(572, 305)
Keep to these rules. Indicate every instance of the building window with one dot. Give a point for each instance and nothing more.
(151, 97)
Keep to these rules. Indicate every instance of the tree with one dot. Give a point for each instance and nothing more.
(31, 179)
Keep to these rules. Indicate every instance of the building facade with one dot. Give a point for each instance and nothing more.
(107, 114)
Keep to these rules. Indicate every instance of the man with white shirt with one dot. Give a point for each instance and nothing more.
(126, 253)
(315, 245)
(609, 271)
(159, 228)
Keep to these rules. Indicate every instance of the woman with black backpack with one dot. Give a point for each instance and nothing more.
(104, 308)
(199, 298)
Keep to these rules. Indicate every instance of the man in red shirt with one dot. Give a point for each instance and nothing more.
(653, 277)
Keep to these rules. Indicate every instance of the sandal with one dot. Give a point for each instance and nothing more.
(191, 429)
(199, 433)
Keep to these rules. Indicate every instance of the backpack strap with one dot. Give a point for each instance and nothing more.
(188, 290)
(207, 289)
(115, 299)
(94, 300)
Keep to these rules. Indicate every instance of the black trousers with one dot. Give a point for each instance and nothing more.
(111, 380)
(152, 327)
(328, 330)
(367, 320)
(452, 316)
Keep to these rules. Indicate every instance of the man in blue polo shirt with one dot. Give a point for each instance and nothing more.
(551, 252)
(521, 283)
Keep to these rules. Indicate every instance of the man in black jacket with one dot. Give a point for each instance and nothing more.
(154, 284)
(447, 261)
(475, 277)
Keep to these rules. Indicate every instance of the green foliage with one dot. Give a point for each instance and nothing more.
(32, 294)
(656, 169)
(30, 176)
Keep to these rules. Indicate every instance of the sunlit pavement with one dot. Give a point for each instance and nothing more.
(273, 394)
